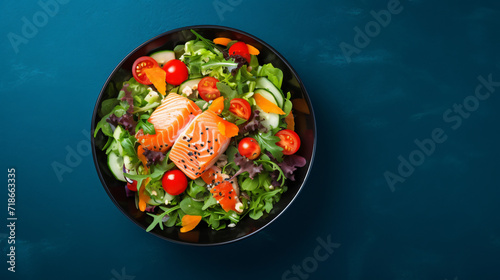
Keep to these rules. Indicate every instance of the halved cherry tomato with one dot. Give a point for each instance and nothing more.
(140, 64)
(207, 88)
(241, 108)
(240, 48)
(289, 141)
(248, 147)
(177, 72)
(132, 186)
(174, 182)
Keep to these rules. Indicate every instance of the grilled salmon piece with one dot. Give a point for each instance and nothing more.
(169, 119)
(200, 145)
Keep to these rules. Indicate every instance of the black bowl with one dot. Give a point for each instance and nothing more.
(203, 235)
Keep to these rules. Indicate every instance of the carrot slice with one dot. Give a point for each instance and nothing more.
(290, 122)
(266, 105)
(157, 76)
(300, 105)
(143, 197)
(228, 129)
(217, 105)
(140, 155)
(222, 41)
(189, 222)
(253, 50)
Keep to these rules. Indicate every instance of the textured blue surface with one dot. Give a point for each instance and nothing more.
(442, 222)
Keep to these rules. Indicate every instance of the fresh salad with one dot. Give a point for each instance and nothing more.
(202, 132)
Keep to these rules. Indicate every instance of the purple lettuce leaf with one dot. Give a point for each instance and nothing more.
(153, 157)
(246, 165)
(127, 121)
(150, 208)
(288, 166)
(253, 124)
(128, 97)
(237, 59)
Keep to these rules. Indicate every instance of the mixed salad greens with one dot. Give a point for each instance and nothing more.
(224, 76)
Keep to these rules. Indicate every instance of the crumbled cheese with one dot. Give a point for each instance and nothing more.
(154, 193)
(166, 201)
(231, 225)
(187, 90)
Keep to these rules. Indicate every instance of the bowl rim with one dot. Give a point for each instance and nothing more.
(224, 28)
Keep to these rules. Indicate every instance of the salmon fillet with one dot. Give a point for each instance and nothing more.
(199, 145)
(169, 120)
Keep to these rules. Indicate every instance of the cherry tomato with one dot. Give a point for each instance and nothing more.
(132, 186)
(241, 108)
(174, 182)
(248, 147)
(207, 88)
(140, 64)
(289, 141)
(177, 72)
(240, 48)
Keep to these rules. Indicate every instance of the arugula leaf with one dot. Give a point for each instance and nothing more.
(158, 219)
(214, 64)
(208, 43)
(196, 191)
(272, 166)
(267, 142)
(147, 127)
(257, 208)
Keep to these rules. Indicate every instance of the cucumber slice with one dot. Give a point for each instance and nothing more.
(188, 83)
(163, 57)
(269, 120)
(117, 133)
(264, 83)
(115, 164)
(267, 95)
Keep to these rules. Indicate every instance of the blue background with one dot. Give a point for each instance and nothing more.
(442, 222)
